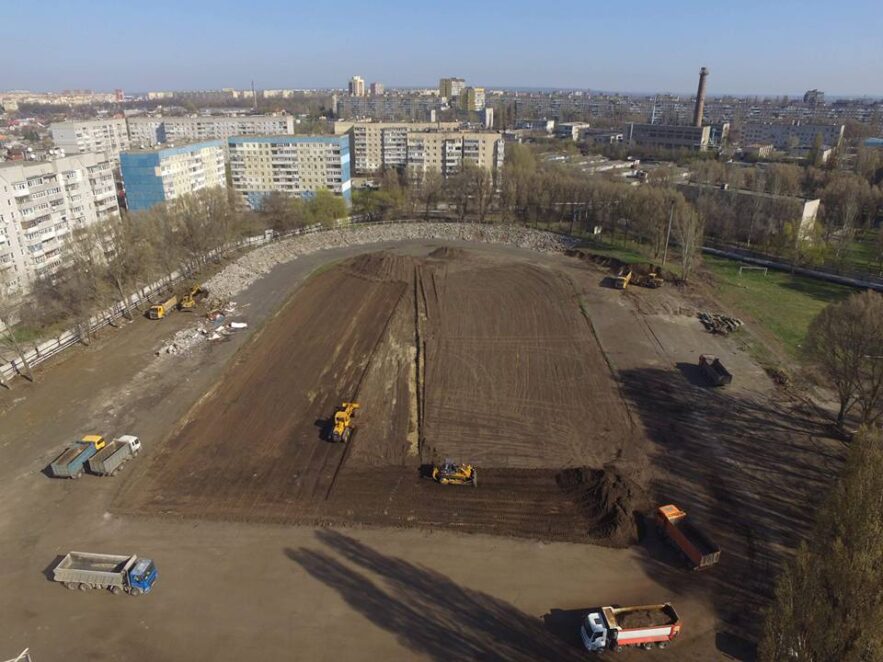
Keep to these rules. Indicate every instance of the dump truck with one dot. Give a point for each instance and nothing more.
(118, 574)
(647, 626)
(112, 457)
(342, 425)
(622, 279)
(696, 547)
(714, 370)
(160, 310)
(451, 473)
(72, 460)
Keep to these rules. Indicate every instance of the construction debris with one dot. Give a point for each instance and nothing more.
(719, 323)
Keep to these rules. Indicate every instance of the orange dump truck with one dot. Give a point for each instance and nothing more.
(698, 549)
(614, 628)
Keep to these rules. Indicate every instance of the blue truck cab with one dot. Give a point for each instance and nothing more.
(142, 576)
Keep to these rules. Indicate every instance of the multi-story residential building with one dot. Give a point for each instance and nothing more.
(79, 136)
(159, 175)
(451, 87)
(41, 204)
(663, 136)
(473, 99)
(792, 136)
(447, 151)
(149, 131)
(356, 86)
(389, 107)
(376, 89)
(378, 144)
(295, 165)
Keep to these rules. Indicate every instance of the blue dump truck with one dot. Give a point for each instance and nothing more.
(118, 574)
(71, 463)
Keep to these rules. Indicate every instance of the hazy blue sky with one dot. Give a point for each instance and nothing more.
(751, 46)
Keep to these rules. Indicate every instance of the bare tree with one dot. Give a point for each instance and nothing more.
(688, 228)
(8, 334)
(845, 342)
(128, 254)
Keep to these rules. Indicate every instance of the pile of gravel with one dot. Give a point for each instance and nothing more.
(250, 267)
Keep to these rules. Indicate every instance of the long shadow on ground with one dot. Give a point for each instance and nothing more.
(428, 612)
(750, 470)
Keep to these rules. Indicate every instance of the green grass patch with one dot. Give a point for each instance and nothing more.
(782, 303)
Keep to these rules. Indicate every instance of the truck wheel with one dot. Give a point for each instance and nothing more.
(85, 587)
(136, 591)
(116, 590)
(661, 644)
(70, 586)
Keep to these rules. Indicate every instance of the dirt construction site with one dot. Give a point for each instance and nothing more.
(580, 405)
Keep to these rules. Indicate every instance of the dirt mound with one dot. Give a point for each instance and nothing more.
(608, 500)
(642, 618)
(448, 253)
(382, 266)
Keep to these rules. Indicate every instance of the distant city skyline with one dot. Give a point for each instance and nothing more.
(752, 48)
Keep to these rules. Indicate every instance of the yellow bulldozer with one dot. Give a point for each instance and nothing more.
(195, 295)
(342, 427)
(451, 473)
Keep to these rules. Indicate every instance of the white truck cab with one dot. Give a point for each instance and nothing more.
(594, 632)
(133, 441)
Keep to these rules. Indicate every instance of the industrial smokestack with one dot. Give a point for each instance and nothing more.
(699, 108)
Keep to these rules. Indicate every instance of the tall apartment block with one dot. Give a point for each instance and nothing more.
(421, 147)
(451, 87)
(473, 99)
(155, 176)
(356, 86)
(149, 131)
(80, 136)
(41, 203)
(295, 165)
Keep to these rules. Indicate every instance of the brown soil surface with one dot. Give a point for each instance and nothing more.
(642, 619)
(490, 363)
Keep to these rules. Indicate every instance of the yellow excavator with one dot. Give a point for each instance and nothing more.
(342, 428)
(194, 296)
(451, 473)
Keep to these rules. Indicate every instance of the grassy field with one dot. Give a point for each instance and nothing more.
(782, 303)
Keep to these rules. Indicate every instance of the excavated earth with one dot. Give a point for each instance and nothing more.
(453, 355)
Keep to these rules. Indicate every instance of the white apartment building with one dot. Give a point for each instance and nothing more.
(295, 165)
(786, 136)
(41, 203)
(375, 145)
(150, 131)
(154, 176)
(102, 135)
(356, 86)
(448, 151)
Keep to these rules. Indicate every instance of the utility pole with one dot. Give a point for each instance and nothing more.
(671, 214)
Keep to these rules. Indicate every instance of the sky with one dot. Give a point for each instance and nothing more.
(768, 47)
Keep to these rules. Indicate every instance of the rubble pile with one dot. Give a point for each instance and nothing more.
(251, 266)
(213, 327)
(718, 323)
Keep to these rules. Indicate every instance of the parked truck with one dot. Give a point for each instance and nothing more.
(71, 461)
(647, 626)
(118, 574)
(696, 547)
(160, 310)
(112, 457)
(714, 370)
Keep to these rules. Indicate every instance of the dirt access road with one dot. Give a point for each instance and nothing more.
(746, 462)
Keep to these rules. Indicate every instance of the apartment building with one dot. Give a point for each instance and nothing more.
(41, 203)
(80, 136)
(154, 176)
(378, 144)
(473, 99)
(791, 136)
(695, 138)
(149, 131)
(390, 107)
(356, 86)
(295, 165)
(448, 151)
(451, 87)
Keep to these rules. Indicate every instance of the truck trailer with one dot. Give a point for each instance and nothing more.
(714, 370)
(118, 574)
(697, 548)
(112, 457)
(647, 626)
(160, 310)
(70, 463)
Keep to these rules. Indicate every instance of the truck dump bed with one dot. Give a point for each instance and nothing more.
(109, 458)
(71, 461)
(715, 371)
(88, 568)
(645, 616)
